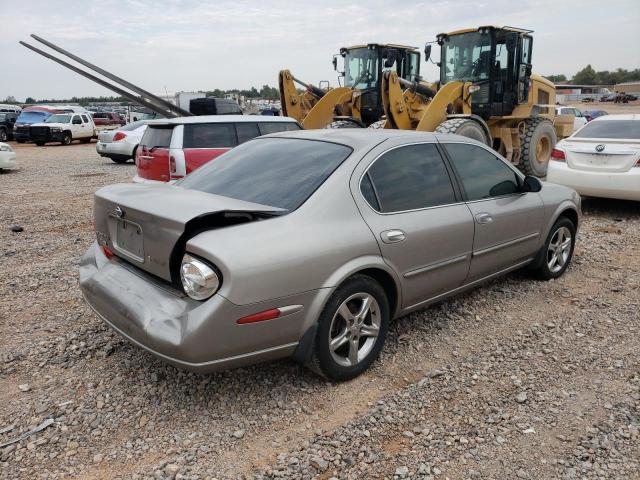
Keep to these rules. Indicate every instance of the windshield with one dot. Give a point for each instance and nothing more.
(361, 68)
(466, 57)
(59, 118)
(623, 129)
(32, 117)
(290, 170)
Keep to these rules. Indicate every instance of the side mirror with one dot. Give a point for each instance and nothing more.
(427, 52)
(531, 184)
(335, 63)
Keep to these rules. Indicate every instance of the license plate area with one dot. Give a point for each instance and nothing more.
(129, 239)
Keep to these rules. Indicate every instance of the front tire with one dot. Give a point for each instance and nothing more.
(343, 124)
(558, 250)
(3, 135)
(536, 143)
(66, 139)
(466, 127)
(351, 329)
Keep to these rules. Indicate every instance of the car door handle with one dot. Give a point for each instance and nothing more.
(483, 218)
(393, 236)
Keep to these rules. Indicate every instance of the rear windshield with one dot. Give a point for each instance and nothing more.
(132, 126)
(32, 117)
(624, 129)
(279, 172)
(227, 135)
(157, 136)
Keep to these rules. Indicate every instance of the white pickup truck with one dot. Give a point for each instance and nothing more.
(63, 128)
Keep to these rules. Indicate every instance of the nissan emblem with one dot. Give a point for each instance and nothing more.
(599, 148)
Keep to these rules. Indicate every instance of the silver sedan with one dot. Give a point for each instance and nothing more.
(307, 244)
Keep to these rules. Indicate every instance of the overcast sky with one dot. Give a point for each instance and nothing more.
(191, 45)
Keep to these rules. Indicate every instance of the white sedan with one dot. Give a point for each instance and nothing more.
(120, 145)
(7, 156)
(602, 159)
(579, 120)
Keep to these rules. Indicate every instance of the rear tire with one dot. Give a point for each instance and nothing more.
(466, 127)
(119, 160)
(351, 329)
(536, 143)
(343, 124)
(557, 251)
(86, 140)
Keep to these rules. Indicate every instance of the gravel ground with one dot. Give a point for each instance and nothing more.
(519, 379)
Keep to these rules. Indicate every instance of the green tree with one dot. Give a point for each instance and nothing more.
(30, 100)
(557, 78)
(586, 76)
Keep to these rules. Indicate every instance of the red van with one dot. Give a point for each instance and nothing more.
(172, 148)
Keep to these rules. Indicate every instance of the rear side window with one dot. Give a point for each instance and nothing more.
(157, 137)
(623, 129)
(209, 135)
(247, 131)
(408, 178)
(275, 127)
(279, 172)
(483, 174)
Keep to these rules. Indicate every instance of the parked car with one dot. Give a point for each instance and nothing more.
(591, 114)
(579, 119)
(63, 128)
(308, 243)
(609, 97)
(172, 148)
(10, 108)
(7, 121)
(29, 116)
(120, 145)
(107, 120)
(602, 159)
(7, 157)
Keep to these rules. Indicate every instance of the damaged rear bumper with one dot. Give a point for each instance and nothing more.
(197, 336)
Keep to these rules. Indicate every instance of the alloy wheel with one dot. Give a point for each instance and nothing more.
(354, 329)
(559, 249)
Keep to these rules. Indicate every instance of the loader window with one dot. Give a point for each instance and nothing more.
(466, 57)
(361, 68)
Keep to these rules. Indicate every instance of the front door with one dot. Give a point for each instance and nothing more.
(424, 232)
(508, 222)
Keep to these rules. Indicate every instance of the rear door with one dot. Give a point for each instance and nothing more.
(152, 155)
(203, 142)
(423, 229)
(508, 222)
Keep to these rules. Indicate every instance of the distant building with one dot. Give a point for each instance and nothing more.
(568, 89)
(628, 87)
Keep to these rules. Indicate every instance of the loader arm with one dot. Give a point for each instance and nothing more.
(323, 111)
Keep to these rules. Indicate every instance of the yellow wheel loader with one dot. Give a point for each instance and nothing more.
(358, 102)
(486, 91)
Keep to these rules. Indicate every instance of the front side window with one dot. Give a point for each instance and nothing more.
(209, 135)
(361, 68)
(408, 178)
(483, 174)
(279, 172)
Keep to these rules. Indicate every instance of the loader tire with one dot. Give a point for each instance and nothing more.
(343, 124)
(379, 125)
(465, 127)
(536, 143)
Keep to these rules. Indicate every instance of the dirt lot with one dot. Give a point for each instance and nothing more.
(519, 379)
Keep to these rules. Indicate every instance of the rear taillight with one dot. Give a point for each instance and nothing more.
(107, 251)
(172, 164)
(119, 136)
(558, 155)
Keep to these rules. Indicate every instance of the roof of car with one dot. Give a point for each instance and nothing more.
(358, 138)
(618, 116)
(218, 119)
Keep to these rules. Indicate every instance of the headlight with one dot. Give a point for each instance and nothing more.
(55, 129)
(199, 280)
(5, 148)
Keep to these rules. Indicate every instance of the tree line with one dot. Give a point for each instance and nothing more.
(588, 76)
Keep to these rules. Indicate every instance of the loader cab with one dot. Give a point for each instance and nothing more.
(496, 60)
(363, 67)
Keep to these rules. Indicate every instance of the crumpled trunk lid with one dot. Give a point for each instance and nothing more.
(143, 224)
